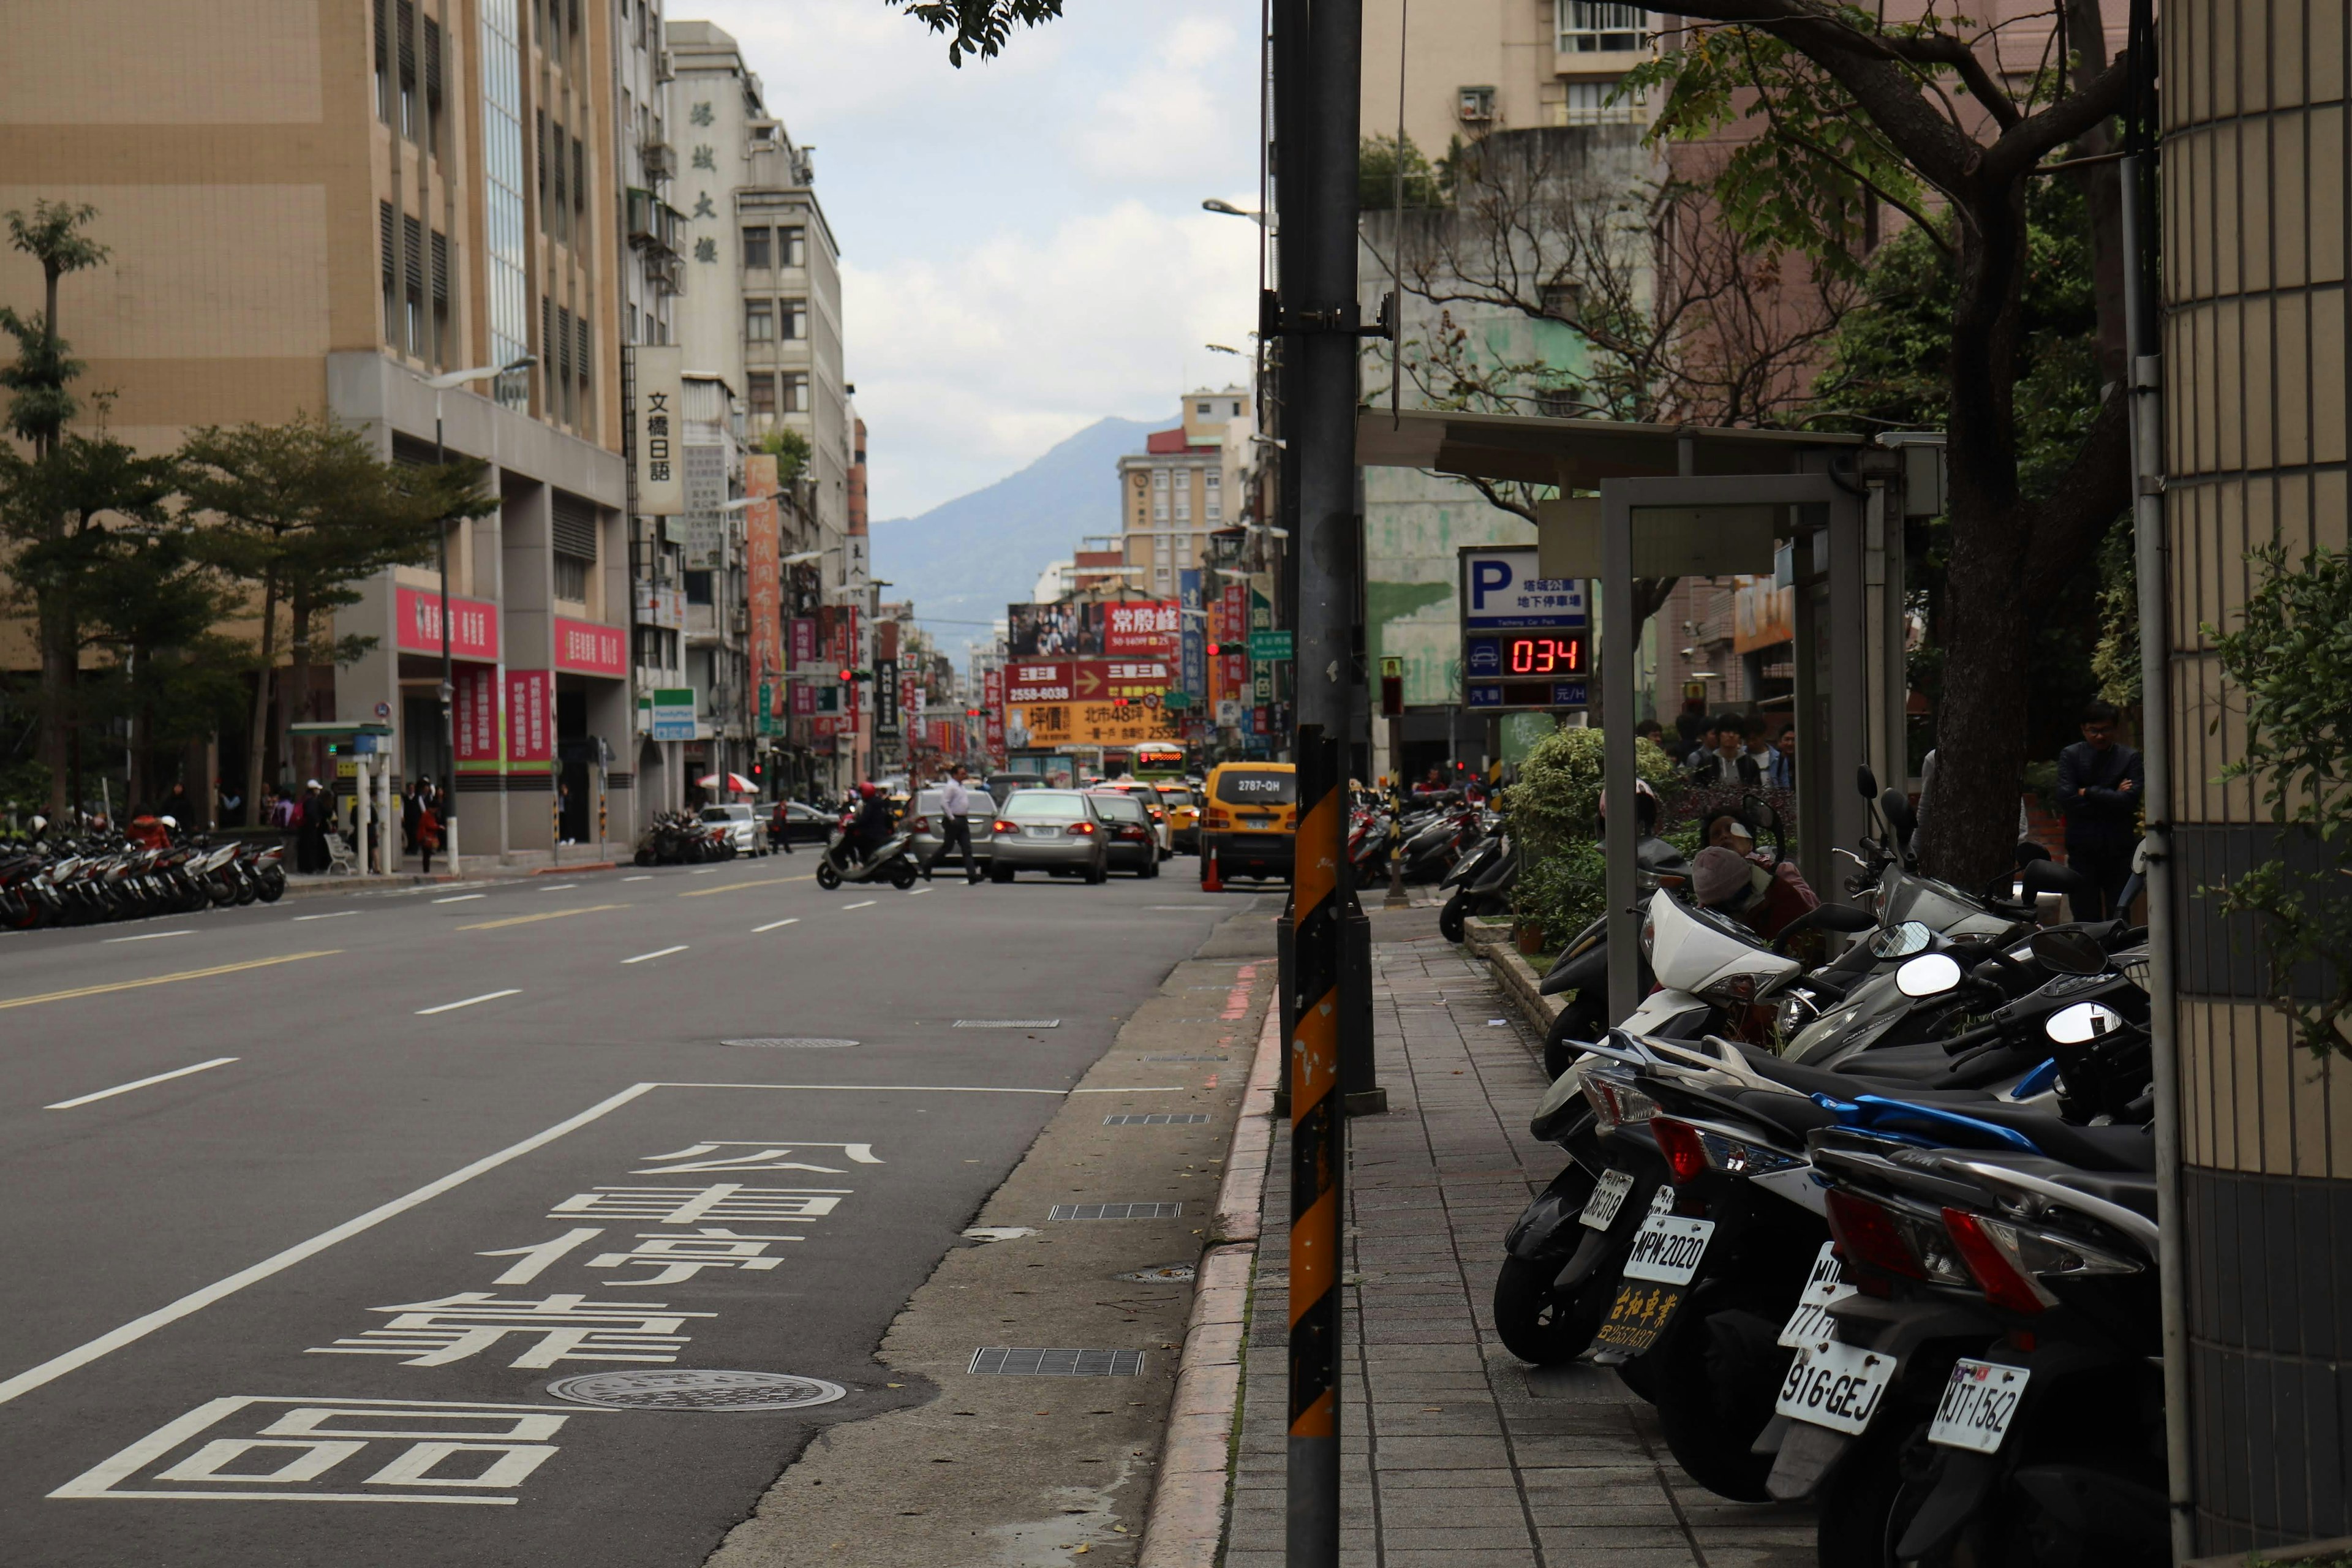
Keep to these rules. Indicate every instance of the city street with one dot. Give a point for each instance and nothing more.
(343, 1253)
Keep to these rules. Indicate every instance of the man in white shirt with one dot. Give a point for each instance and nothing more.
(955, 824)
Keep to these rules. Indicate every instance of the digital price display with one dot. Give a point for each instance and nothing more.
(1526, 654)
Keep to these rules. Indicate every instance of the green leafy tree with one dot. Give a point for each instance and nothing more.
(789, 448)
(305, 512)
(1854, 116)
(980, 27)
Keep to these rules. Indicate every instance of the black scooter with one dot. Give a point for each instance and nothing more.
(891, 863)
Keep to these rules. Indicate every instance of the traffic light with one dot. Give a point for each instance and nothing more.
(847, 675)
(1213, 650)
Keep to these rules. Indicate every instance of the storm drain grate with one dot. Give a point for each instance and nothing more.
(1008, 1023)
(1025, 1360)
(1166, 1274)
(1116, 1211)
(1186, 1059)
(795, 1043)
(1155, 1118)
(695, 1390)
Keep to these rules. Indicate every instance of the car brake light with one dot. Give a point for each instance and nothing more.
(1992, 1256)
(1000, 825)
(1131, 831)
(1081, 829)
(921, 825)
(1218, 819)
(1678, 1141)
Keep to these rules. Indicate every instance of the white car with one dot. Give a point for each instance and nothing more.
(743, 826)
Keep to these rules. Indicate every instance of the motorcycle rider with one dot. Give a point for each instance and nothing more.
(1730, 883)
(871, 830)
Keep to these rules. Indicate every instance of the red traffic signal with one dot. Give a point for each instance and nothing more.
(847, 675)
(1212, 650)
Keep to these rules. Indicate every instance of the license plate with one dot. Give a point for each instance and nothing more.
(1638, 1316)
(1834, 1385)
(1667, 1248)
(1812, 1319)
(1608, 1197)
(1978, 1404)
(1042, 832)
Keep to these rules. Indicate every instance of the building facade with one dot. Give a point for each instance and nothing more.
(1173, 495)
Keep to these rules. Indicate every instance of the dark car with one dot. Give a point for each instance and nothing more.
(797, 822)
(1131, 838)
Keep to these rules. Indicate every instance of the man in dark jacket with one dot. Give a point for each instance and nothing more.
(2099, 787)
(875, 822)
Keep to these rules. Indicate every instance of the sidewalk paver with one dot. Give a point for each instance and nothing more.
(1452, 1451)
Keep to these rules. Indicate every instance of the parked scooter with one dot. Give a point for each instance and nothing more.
(1480, 882)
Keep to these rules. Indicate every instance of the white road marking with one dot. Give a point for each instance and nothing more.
(646, 877)
(460, 898)
(868, 904)
(558, 887)
(662, 952)
(918, 892)
(339, 914)
(147, 936)
(452, 1006)
(776, 925)
(139, 1083)
(705, 871)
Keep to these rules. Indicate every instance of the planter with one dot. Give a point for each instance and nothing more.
(1530, 939)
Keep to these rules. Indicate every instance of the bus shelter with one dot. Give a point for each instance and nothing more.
(1821, 513)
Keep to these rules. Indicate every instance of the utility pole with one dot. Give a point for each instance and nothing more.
(1318, 53)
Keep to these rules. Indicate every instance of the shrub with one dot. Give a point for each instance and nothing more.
(1554, 811)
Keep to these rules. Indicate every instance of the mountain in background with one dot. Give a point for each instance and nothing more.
(966, 559)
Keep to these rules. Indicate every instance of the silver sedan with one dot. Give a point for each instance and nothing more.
(1054, 830)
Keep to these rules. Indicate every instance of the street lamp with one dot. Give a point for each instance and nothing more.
(1221, 349)
(441, 383)
(1213, 205)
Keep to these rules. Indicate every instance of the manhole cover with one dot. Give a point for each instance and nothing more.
(1152, 1118)
(1115, 1211)
(1008, 1023)
(1033, 1360)
(797, 1044)
(1166, 1274)
(686, 1390)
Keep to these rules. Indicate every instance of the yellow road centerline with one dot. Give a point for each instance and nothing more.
(163, 979)
(543, 915)
(737, 886)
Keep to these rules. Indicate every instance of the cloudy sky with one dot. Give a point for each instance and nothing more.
(1023, 246)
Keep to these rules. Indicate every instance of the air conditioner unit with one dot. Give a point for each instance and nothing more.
(661, 161)
(741, 619)
(665, 68)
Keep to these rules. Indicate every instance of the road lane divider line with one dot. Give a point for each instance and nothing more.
(659, 952)
(918, 892)
(777, 925)
(937, 1088)
(453, 1007)
(8, 1001)
(867, 904)
(739, 887)
(558, 887)
(138, 1083)
(336, 915)
(643, 878)
(220, 1289)
(146, 936)
(542, 915)
(461, 897)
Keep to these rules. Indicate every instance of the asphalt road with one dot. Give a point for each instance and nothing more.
(344, 1268)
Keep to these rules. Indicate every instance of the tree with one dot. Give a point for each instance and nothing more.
(1854, 115)
(980, 28)
(39, 408)
(789, 448)
(304, 511)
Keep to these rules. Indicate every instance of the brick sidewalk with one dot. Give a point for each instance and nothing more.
(1462, 1454)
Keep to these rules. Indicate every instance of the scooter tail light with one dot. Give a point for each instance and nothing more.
(1991, 1250)
(1679, 1142)
(1868, 1237)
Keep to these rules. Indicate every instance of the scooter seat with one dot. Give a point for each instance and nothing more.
(2121, 1148)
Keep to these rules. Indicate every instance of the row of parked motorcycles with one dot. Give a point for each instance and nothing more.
(90, 877)
(1878, 1233)
(1449, 838)
(682, 838)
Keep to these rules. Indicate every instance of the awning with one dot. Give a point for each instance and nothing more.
(1575, 453)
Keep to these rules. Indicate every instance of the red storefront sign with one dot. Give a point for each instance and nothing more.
(804, 698)
(1027, 680)
(1235, 621)
(763, 570)
(476, 689)
(530, 716)
(803, 641)
(1144, 629)
(591, 648)
(992, 716)
(473, 624)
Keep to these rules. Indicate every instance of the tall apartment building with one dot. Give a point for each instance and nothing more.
(761, 310)
(318, 208)
(1477, 66)
(1172, 494)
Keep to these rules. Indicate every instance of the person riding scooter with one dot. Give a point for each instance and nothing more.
(1725, 880)
(874, 824)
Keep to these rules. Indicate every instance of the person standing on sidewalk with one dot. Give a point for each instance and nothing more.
(955, 824)
(2099, 788)
(427, 831)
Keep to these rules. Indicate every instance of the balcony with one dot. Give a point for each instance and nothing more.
(652, 222)
(660, 160)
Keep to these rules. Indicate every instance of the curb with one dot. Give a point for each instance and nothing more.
(1186, 1523)
(1491, 940)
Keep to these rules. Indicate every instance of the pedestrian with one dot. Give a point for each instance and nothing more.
(427, 833)
(1692, 724)
(1650, 730)
(317, 820)
(232, 803)
(1782, 773)
(1709, 731)
(2099, 788)
(1728, 763)
(412, 803)
(180, 808)
(955, 824)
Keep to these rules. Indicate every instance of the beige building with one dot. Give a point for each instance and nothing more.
(1180, 490)
(1472, 67)
(317, 207)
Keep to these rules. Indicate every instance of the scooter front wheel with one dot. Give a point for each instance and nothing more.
(902, 876)
(1534, 1323)
(1579, 1024)
(828, 876)
(1449, 922)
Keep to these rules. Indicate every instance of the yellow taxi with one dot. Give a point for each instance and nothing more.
(1183, 807)
(1249, 819)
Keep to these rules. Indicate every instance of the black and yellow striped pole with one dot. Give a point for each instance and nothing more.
(1317, 1158)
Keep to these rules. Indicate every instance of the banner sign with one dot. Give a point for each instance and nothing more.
(705, 486)
(885, 697)
(591, 648)
(764, 567)
(673, 713)
(1052, 631)
(1028, 680)
(1093, 724)
(1148, 628)
(473, 624)
(660, 606)
(530, 716)
(804, 698)
(1193, 640)
(660, 406)
(803, 641)
(992, 716)
(479, 739)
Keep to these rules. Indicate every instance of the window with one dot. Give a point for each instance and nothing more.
(580, 357)
(1203, 409)
(1599, 27)
(572, 579)
(384, 61)
(1237, 407)
(1159, 478)
(755, 247)
(761, 389)
(412, 293)
(792, 245)
(433, 87)
(579, 175)
(1475, 104)
(441, 344)
(795, 385)
(795, 315)
(404, 16)
(562, 360)
(388, 222)
(504, 174)
(542, 171)
(1183, 503)
(759, 321)
(1600, 103)
(698, 587)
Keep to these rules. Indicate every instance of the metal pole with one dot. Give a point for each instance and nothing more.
(1620, 637)
(1318, 1131)
(448, 689)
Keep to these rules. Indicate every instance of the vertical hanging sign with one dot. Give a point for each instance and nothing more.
(661, 475)
(764, 567)
(1193, 640)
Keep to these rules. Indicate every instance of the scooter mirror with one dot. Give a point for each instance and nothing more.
(1929, 974)
(1866, 781)
(2082, 1024)
(1902, 940)
(2069, 953)
(1759, 813)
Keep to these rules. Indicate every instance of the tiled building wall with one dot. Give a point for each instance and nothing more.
(2254, 206)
